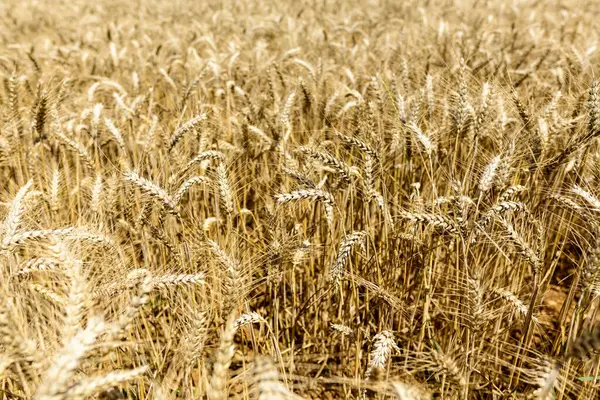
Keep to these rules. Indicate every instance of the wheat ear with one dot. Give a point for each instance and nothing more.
(187, 185)
(585, 347)
(150, 189)
(135, 304)
(339, 166)
(233, 275)
(225, 192)
(337, 269)
(37, 264)
(405, 391)
(56, 379)
(13, 219)
(383, 344)
(90, 386)
(487, 178)
(310, 194)
(205, 155)
(268, 383)
(217, 388)
(78, 299)
(189, 126)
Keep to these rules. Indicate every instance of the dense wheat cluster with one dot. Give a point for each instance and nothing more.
(285, 200)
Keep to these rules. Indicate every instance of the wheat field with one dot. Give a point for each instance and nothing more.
(299, 199)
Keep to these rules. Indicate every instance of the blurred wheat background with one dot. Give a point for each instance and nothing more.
(299, 199)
